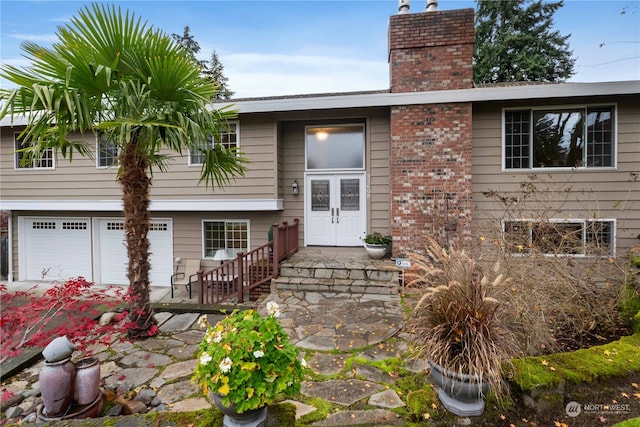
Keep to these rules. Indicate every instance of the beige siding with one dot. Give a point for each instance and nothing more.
(606, 194)
(81, 179)
(378, 168)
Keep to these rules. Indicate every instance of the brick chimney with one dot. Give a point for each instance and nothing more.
(431, 143)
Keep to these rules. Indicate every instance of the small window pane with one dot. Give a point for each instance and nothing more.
(320, 195)
(517, 125)
(338, 147)
(233, 236)
(558, 138)
(44, 162)
(107, 152)
(557, 238)
(350, 194)
(600, 137)
(517, 236)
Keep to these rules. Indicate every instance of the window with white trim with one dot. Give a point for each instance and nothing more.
(571, 137)
(228, 138)
(45, 161)
(560, 237)
(107, 151)
(230, 235)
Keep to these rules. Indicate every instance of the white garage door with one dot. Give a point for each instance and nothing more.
(111, 252)
(61, 247)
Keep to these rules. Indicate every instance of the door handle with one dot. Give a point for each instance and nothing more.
(332, 215)
(337, 215)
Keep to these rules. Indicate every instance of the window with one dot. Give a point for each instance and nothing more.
(559, 138)
(574, 237)
(335, 147)
(107, 151)
(228, 139)
(44, 162)
(230, 235)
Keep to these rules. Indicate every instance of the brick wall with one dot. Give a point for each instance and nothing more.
(431, 143)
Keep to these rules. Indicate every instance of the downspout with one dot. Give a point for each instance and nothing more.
(10, 247)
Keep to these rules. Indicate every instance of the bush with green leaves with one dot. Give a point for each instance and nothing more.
(248, 360)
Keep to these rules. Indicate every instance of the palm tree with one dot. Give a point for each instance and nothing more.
(113, 74)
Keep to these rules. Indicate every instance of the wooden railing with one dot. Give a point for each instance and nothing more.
(248, 270)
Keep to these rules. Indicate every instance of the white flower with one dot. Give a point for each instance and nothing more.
(273, 309)
(225, 365)
(258, 354)
(205, 358)
(303, 363)
(202, 321)
(218, 337)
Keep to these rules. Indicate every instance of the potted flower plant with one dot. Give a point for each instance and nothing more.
(462, 327)
(377, 245)
(246, 361)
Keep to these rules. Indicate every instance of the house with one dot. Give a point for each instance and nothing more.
(419, 158)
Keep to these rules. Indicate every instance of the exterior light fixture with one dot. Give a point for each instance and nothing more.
(294, 187)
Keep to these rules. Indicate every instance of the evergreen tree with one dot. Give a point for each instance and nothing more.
(212, 70)
(515, 41)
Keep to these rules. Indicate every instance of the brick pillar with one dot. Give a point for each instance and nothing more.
(431, 143)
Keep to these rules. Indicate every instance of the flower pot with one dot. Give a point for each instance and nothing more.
(59, 348)
(461, 394)
(252, 418)
(375, 251)
(56, 387)
(87, 382)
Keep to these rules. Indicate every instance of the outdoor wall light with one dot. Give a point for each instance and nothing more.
(294, 187)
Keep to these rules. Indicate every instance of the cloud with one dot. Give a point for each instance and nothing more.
(258, 74)
(48, 38)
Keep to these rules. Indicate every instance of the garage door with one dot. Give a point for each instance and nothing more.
(111, 252)
(59, 247)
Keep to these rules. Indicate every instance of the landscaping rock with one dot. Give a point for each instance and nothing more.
(386, 399)
(356, 418)
(341, 392)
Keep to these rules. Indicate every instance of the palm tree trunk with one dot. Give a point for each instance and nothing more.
(135, 197)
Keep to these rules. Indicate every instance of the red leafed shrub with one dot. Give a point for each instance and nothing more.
(71, 308)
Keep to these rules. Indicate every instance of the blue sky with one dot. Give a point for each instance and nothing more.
(297, 47)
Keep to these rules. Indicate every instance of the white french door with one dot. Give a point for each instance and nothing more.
(335, 209)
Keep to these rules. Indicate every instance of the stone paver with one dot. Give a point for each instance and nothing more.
(302, 409)
(179, 322)
(341, 392)
(145, 359)
(179, 370)
(353, 418)
(386, 399)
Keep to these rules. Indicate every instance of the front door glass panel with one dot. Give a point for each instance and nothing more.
(350, 194)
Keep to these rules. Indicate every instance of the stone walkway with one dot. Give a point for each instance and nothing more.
(155, 374)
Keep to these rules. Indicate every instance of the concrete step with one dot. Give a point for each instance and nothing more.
(309, 284)
(338, 270)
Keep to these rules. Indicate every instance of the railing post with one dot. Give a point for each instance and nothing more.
(240, 277)
(275, 250)
(200, 287)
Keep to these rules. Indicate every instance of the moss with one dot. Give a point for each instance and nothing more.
(323, 409)
(634, 422)
(615, 359)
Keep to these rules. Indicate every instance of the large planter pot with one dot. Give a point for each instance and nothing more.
(87, 384)
(56, 387)
(375, 251)
(251, 418)
(461, 394)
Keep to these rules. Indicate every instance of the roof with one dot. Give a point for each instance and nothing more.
(388, 99)
(385, 98)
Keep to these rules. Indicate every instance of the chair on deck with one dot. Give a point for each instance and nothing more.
(187, 277)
